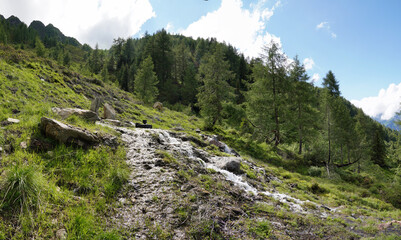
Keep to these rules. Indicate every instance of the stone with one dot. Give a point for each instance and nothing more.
(23, 145)
(61, 234)
(96, 105)
(67, 134)
(10, 121)
(85, 114)
(118, 123)
(158, 106)
(234, 167)
(109, 112)
(178, 128)
(1, 149)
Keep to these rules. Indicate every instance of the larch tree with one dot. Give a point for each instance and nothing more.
(214, 75)
(267, 96)
(303, 99)
(146, 81)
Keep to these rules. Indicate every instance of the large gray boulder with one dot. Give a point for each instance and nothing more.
(85, 114)
(67, 134)
(109, 112)
(96, 105)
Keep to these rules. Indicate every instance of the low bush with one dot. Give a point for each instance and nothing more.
(23, 188)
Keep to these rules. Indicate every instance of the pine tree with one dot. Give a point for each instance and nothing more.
(146, 81)
(214, 73)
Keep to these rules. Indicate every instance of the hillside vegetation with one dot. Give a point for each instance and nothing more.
(294, 138)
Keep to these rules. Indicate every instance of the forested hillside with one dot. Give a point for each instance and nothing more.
(266, 108)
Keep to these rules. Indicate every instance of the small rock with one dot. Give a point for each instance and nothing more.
(1, 149)
(23, 145)
(234, 167)
(158, 106)
(10, 121)
(197, 130)
(61, 234)
(178, 128)
(109, 112)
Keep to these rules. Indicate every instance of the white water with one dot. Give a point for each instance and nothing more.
(174, 144)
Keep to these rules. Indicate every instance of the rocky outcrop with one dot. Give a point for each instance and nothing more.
(109, 112)
(96, 103)
(85, 114)
(67, 134)
(158, 106)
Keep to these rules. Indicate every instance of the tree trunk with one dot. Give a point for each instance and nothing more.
(300, 129)
(329, 139)
(277, 130)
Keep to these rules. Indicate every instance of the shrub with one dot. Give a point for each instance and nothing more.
(317, 189)
(315, 171)
(22, 187)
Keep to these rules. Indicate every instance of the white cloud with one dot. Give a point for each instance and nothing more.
(244, 29)
(322, 25)
(308, 63)
(327, 28)
(90, 21)
(315, 78)
(385, 105)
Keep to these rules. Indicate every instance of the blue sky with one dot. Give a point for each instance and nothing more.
(359, 40)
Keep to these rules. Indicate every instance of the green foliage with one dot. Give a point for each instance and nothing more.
(261, 229)
(39, 48)
(214, 73)
(23, 188)
(146, 81)
(317, 189)
(267, 96)
(117, 177)
(331, 84)
(315, 171)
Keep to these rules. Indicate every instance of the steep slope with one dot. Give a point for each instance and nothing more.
(165, 183)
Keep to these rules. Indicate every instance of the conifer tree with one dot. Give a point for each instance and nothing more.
(146, 81)
(331, 84)
(303, 99)
(214, 74)
(266, 99)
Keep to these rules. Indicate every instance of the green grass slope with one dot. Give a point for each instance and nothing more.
(61, 190)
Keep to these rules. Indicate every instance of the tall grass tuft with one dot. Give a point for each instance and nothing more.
(22, 187)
